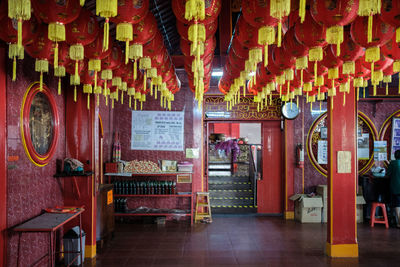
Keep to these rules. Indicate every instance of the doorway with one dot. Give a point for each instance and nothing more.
(240, 180)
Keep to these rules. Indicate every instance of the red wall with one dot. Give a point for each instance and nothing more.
(184, 100)
(30, 189)
(231, 130)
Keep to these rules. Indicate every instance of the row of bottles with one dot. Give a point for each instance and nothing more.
(149, 187)
(120, 205)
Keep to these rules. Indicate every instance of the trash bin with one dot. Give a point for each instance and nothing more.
(71, 243)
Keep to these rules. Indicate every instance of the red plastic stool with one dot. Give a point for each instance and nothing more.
(374, 220)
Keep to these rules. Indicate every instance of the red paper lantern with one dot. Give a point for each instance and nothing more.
(212, 9)
(257, 13)
(334, 15)
(379, 65)
(183, 29)
(331, 62)
(240, 50)
(209, 46)
(56, 14)
(293, 46)
(381, 34)
(81, 32)
(311, 34)
(392, 50)
(350, 52)
(282, 59)
(390, 14)
(247, 35)
(41, 49)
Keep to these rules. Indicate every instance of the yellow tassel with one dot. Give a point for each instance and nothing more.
(266, 55)
(41, 82)
(105, 88)
(75, 93)
(112, 103)
(358, 93)
(302, 10)
(301, 76)
(398, 35)
(145, 63)
(370, 18)
(332, 103)
(56, 32)
(94, 64)
(106, 34)
(19, 36)
(88, 102)
(364, 92)
(311, 107)
(344, 99)
(279, 33)
(387, 88)
(348, 67)
(106, 100)
(144, 82)
(334, 35)
(333, 73)
(315, 70)
(95, 80)
(14, 74)
(98, 100)
(372, 70)
(301, 63)
(396, 66)
(76, 68)
(372, 54)
(56, 55)
(316, 54)
(77, 52)
(374, 89)
(82, 2)
(59, 86)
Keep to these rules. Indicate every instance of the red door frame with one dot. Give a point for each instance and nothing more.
(280, 196)
(3, 154)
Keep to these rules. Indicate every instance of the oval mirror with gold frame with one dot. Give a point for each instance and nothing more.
(39, 124)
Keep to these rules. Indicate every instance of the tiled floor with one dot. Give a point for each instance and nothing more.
(242, 241)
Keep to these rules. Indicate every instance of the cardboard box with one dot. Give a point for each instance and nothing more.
(360, 201)
(322, 190)
(307, 209)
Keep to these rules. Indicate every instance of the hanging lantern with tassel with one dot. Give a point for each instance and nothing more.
(10, 36)
(79, 34)
(75, 79)
(390, 14)
(129, 12)
(63, 61)
(19, 10)
(312, 35)
(377, 69)
(296, 49)
(41, 49)
(108, 64)
(257, 14)
(56, 14)
(369, 8)
(392, 50)
(279, 9)
(95, 53)
(334, 16)
(350, 52)
(381, 33)
(106, 9)
(143, 32)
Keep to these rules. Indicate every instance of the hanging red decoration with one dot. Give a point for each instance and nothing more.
(311, 34)
(143, 32)
(334, 15)
(390, 14)
(211, 11)
(381, 34)
(257, 14)
(128, 13)
(9, 34)
(331, 62)
(247, 35)
(79, 33)
(41, 49)
(350, 52)
(183, 29)
(56, 14)
(392, 50)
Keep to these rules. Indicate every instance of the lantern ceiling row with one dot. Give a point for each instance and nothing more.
(326, 46)
(69, 37)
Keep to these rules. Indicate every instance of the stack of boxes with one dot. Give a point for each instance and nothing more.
(322, 190)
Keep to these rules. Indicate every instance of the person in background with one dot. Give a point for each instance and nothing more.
(394, 173)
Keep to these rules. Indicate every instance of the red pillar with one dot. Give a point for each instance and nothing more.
(289, 165)
(3, 163)
(81, 141)
(342, 176)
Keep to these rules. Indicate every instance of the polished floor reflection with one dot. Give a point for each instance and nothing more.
(242, 241)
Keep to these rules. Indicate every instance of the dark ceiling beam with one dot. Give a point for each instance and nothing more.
(225, 30)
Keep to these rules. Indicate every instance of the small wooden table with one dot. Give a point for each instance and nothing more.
(50, 222)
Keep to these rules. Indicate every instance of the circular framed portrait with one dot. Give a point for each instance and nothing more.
(39, 124)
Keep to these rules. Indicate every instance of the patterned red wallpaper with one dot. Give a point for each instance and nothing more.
(30, 188)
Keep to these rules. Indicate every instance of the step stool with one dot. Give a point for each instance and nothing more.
(374, 220)
(203, 209)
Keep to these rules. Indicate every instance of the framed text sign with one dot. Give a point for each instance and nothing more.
(395, 137)
(157, 130)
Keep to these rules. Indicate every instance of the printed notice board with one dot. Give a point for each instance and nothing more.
(157, 130)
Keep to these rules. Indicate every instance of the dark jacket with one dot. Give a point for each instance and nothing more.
(394, 173)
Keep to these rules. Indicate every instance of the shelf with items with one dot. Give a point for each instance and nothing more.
(164, 193)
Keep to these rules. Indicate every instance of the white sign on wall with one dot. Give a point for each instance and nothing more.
(157, 130)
